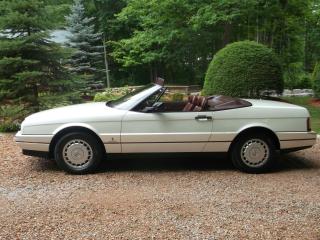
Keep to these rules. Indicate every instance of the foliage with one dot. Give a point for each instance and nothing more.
(176, 39)
(56, 10)
(176, 97)
(29, 62)
(243, 69)
(112, 94)
(316, 80)
(86, 43)
(10, 117)
(295, 77)
(50, 101)
(9, 127)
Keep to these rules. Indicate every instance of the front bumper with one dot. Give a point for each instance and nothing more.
(33, 142)
(296, 140)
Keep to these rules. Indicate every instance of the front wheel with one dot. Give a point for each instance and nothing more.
(78, 153)
(253, 153)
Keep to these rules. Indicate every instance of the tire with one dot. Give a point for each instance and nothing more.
(78, 153)
(254, 153)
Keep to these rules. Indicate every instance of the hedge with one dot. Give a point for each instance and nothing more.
(243, 69)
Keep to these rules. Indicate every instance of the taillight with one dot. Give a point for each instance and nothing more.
(308, 124)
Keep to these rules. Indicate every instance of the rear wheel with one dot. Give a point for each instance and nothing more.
(253, 153)
(78, 153)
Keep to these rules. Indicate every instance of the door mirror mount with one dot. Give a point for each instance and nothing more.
(155, 107)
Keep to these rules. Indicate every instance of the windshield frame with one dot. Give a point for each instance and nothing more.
(131, 100)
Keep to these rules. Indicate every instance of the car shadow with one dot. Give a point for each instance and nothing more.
(294, 161)
(180, 162)
(166, 162)
(194, 161)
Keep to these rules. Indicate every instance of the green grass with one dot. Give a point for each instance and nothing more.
(314, 111)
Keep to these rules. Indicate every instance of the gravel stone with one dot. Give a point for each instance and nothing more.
(188, 196)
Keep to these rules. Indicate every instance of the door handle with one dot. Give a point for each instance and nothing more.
(203, 118)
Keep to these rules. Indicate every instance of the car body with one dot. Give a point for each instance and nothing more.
(140, 122)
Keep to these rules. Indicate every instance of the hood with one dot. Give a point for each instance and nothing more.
(75, 113)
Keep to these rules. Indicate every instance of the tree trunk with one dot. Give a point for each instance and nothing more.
(227, 34)
(106, 61)
(35, 95)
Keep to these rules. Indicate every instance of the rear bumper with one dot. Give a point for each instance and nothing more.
(38, 143)
(296, 140)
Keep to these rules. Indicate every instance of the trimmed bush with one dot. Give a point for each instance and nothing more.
(316, 80)
(243, 69)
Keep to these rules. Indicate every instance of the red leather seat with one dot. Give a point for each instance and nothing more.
(201, 104)
(195, 103)
(190, 104)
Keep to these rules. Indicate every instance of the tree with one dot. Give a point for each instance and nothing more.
(243, 69)
(163, 40)
(177, 39)
(316, 80)
(87, 56)
(29, 62)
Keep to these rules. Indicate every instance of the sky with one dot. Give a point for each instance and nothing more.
(59, 36)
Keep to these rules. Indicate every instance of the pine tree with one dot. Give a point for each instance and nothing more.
(87, 56)
(29, 62)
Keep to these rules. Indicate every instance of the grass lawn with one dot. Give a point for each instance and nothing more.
(314, 111)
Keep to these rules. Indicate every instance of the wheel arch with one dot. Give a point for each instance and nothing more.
(69, 129)
(256, 129)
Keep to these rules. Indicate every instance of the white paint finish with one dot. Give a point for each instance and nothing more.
(42, 147)
(81, 113)
(277, 109)
(167, 132)
(112, 148)
(161, 147)
(296, 135)
(296, 143)
(166, 127)
(165, 137)
(221, 136)
(113, 138)
(33, 138)
(217, 147)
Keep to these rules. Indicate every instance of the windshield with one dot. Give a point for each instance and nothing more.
(130, 100)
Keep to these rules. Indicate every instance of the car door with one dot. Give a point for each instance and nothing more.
(165, 131)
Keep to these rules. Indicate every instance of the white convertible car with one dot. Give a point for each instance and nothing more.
(78, 137)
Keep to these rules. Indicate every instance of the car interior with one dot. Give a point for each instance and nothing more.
(189, 103)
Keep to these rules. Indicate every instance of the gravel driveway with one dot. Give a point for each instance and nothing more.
(185, 197)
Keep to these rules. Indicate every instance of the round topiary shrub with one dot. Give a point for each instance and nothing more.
(243, 69)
